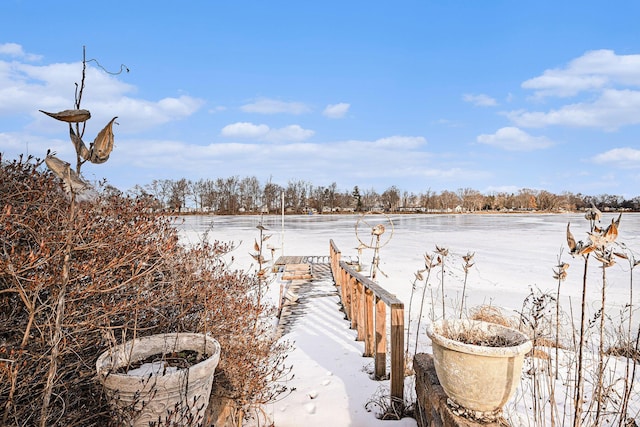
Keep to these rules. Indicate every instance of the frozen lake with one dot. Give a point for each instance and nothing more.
(514, 253)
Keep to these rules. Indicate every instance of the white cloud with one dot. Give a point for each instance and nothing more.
(336, 111)
(594, 70)
(558, 83)
(11, 142)
(244, 130)
(514, 139)
(480, 100)
(620, 157)
(26, 88)
(394, 159)
(291, 133)
(318, 162)
(607, 82)
(272, 106)
(400, 142)
(613, 109)
(217, 109)
(15, 50)
(179, 107)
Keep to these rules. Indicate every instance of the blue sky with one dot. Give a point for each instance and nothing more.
(488, 95)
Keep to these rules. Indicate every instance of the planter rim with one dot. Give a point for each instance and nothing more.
(106, 367)
(434, 332)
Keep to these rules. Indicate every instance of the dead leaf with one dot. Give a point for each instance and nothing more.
(611, 233)
(585, 250)
(103, 144)
(61, 169)
(81, 148)
(70, 116)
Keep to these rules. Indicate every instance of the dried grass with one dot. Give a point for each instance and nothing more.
(627, 351)
(477, 334)
(491, 314)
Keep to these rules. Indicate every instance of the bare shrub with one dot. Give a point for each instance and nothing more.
(128, 277)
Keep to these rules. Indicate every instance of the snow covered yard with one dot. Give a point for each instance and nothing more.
(514, 261)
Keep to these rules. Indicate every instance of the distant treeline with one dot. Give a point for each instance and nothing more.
(235, 195)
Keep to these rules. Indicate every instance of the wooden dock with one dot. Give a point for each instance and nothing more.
(303, 278)
(375, 314)
(330, 379)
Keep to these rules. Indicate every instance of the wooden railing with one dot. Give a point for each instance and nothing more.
(365, 304)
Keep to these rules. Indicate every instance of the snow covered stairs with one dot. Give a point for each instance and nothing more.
(302, 279)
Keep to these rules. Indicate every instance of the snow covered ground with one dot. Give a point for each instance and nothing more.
(514, 255)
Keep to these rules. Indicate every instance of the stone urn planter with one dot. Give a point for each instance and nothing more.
(478, 363)
(144, 384)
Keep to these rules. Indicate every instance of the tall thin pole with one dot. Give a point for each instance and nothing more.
(282, 237)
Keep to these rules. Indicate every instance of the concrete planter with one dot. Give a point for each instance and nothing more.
(156, 392)
(477, 377)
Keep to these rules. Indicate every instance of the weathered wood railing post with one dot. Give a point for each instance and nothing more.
(368, 323)
(365, 304)
(359, 308)
(397, 354)
(381, 339)
(345, 292)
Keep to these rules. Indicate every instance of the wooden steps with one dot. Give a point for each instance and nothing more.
(297, 272)
(303, 279)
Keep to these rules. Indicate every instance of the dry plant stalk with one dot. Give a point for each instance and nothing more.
(442, 254)
(76, 187)
(599, 243)
(466, 267)
(417, 278)
(428, 265)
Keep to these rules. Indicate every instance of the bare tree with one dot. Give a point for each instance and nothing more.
(370, 199)
(391, 198)
(448, 200)
(547, 201)
(250, 192)
(198, 192)
(472, 200)
(227, 192)
(296, 194)
(427, 199)
(526, 199)
(179, 192)
(230, 194)
(331, 195)
(161, 190)
(210, 200)
(319, 198)
(271, 196)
